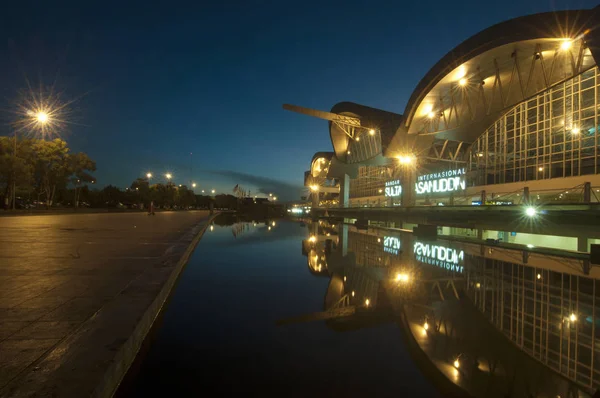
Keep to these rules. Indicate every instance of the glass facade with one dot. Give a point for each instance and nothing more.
(554, 134)
(370, 182)
(553, 316)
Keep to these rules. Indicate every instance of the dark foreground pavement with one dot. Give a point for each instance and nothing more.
(79, 292)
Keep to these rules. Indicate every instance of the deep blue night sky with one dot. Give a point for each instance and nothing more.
(155, 83)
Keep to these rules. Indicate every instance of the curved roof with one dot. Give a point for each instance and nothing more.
(365, 145)
(473, 84)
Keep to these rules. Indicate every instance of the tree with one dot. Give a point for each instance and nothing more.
(141, 187)
(79, 165)
(223, 201)
(15, 170)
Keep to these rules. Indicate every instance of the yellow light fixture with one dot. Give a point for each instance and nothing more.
(42, 117)
(357, 139)
(573, 317)
(566, 44)
(169, 176)
(575, 130)
(456, 363)
(367, 302)
(431, 115)
(462, 82)
(312, 239)
(426, 325)
(314, 187)
(149, 175)
(372, 132)
(406, 159)
(540, 168)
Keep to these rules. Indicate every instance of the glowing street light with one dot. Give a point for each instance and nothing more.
(148, 175)
(42, 117)
(531, 211)
(169, 176)
(193, 185)
(274, 198)
(212, 191)
(203, 191)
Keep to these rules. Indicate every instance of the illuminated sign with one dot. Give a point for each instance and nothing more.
(439, 256)
(391, 245)
(393, 188)
(444, 181)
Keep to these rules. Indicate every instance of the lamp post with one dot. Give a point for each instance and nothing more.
(38, 119)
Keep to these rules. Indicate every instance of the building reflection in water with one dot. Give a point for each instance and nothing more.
(477, 319)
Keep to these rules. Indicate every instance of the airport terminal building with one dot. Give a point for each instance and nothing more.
(510, 116)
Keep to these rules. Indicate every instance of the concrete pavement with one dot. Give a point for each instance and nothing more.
(79, 292)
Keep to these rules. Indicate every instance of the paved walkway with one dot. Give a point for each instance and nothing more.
(78, 293)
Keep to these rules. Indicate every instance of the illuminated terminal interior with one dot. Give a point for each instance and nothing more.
(503, 118)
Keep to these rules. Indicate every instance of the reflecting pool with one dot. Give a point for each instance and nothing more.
(321, 308)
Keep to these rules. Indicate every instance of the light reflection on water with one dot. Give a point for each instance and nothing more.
(219, 332)
(326, 309)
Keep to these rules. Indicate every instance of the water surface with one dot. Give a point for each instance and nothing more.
(219, 335)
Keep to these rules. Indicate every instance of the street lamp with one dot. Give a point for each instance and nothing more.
(194, 185)
(274, 198)
(169, 176)
(42, 117)
(212, 191)
(149, 175)
(39, 119)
